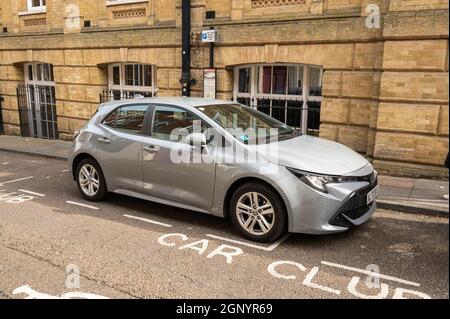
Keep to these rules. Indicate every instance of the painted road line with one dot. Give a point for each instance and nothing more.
(81, 204)
(148, 221)
(65, 170)
(16, 180)
(370, 273)
(31, 193)
(270, 248)
(278, 242)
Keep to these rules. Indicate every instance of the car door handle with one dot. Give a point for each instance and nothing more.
(151, 149)
(103, 140)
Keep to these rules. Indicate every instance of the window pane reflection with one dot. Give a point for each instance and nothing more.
(264, 106)
(279, 80)
(295, 80)
(294, 113)
(315, 82)
(279, 110)
(264, 79)
(244, 80)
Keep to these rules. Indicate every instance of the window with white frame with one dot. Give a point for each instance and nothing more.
(39, 74)
(291, 93)
(34, 5)
(128, 79)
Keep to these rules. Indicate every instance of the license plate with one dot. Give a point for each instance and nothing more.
(373, 194)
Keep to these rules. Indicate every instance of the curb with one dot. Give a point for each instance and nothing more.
(434, 212)
(45, 155)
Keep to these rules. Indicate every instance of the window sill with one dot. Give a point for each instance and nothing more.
(119, 2)
(34, 11)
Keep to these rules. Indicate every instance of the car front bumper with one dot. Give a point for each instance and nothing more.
(314, 212)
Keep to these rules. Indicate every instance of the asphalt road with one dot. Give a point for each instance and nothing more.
(129, 248)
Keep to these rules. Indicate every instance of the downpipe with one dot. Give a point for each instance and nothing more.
(186, 80)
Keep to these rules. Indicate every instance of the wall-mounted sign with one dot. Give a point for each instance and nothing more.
(209, 83)
(210, 36)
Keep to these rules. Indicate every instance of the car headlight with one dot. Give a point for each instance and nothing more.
(316, 181)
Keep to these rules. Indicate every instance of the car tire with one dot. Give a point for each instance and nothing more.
(257, 229)
(98, 193)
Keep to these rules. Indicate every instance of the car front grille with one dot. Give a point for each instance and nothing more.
(354, 208)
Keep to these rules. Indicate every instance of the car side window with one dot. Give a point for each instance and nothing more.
(172, 123)
(127, 119)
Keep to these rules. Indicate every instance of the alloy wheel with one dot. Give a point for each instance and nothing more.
(255, 213)
(89, 180)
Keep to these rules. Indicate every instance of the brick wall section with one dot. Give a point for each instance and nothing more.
(385, 90)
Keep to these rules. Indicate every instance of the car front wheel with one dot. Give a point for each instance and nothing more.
(90, 180)
(258, 212)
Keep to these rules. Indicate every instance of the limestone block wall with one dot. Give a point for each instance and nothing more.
(412, 126)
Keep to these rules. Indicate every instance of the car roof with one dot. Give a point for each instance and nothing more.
(176, 101)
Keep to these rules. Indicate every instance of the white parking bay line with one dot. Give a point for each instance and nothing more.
(370, 273)
(270, 248)
(31, 193)
(148, 221)
(65, 170)
(81, 204)
(15, 180)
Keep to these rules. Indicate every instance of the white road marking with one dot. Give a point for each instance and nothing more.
(11, 198)
(370, 273)
(31, 193)
(148, 221)
(270, 248)
(65, 170)
(33, 294)
(16, 180)
(82, 205)
(278, 242)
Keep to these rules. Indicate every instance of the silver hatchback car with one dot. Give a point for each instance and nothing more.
(225, 159)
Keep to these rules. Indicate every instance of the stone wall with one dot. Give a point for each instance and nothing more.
(385, 89)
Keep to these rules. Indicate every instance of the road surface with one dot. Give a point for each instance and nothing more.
(55, 244)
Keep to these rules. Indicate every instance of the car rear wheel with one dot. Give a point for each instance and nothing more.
(90, 180)
(258, 212)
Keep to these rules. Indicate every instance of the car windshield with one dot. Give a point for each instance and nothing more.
(247, 124)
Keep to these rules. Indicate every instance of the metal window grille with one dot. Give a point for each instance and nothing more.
(37, 111)
(297, 106)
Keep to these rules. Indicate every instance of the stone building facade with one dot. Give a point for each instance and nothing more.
(376, 71)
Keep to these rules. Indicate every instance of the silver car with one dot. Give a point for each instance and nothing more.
(225, 159)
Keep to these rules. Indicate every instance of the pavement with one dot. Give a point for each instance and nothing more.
(41, 147)
(420, 196)
(54, 243)
(407, 195)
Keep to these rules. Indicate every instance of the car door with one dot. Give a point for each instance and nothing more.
(119, 145)
(166, 174)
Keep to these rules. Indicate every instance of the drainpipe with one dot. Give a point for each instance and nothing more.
(186, 80)
(211, 53)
